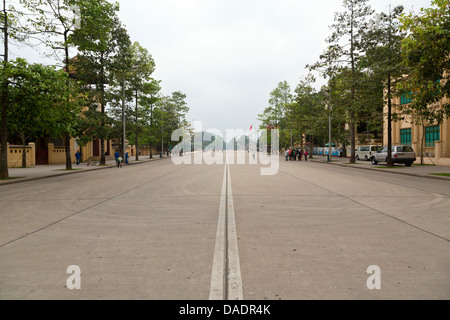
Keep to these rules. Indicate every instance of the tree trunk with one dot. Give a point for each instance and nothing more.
(24, 151)
(352, 98)
(389, 153)
(67, 136)
(4, 113)
(102, 106)
(68, 152)
(352, 140)
(137, 129)
(389, 128)
(151, 126)
(421, 143)
(4, 135)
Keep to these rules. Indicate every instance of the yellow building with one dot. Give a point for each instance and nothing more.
(15, 155)
(91, 151)
(435, 138)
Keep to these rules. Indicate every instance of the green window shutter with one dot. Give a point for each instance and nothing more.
(432, 134)
(405, 136)
(405, 98)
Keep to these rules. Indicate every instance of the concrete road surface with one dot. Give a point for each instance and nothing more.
(161, 231)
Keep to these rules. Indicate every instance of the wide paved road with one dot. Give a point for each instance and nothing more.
(160, 231)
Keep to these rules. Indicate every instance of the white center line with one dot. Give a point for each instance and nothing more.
(226, 279)
(234, 268)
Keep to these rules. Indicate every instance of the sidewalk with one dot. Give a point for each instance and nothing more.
(428, 171)
(45, 171)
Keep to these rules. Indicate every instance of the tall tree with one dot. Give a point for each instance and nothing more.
(9, 19)
(276, 113)
(306, 109)
(96, 45)
(426, 50)
(52, 22)
(148, 101)
(384, 61)
(143, 66)
(347, 44)
(180, 108)
(5, 97)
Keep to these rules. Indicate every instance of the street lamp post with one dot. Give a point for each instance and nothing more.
(328, 93)
(329, 126)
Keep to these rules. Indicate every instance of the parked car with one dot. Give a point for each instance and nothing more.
(400, 154)
(366, 152)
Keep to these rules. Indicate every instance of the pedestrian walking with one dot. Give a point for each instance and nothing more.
(116, 157)
(286, 154)
(78, 157)
(119, 162)
(306, 155)
(300, 154)
(126, 158)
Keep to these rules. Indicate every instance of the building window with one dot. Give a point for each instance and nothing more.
(405, 98)
(405, 136)
(432, 134)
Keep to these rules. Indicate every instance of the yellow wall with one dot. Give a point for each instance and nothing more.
(144, 151)
(87, 151)
(15, 155)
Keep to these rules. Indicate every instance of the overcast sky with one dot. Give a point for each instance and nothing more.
(228, 55)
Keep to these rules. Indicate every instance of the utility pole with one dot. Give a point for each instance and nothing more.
(123, 116)
(4, 112)
(136, 140)
(329, 122)
(328, 93)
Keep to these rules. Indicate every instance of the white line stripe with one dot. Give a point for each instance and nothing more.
(217, 286)
(234, 269)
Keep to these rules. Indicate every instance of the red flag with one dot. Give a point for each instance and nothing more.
(251, 127)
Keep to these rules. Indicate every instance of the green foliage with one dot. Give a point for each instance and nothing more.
(40, 100)
(115, 73)
(277, 113)
(426, 51)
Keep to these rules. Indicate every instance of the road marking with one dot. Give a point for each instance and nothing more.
(234, 269)
(226, 279)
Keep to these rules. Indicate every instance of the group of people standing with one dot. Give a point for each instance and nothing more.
(296, 153)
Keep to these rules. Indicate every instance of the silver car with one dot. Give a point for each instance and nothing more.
(400, 154)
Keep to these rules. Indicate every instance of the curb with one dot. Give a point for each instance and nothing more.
(385, 171)
(19, 180)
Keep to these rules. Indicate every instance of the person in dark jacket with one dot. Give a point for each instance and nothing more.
(78, 157)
